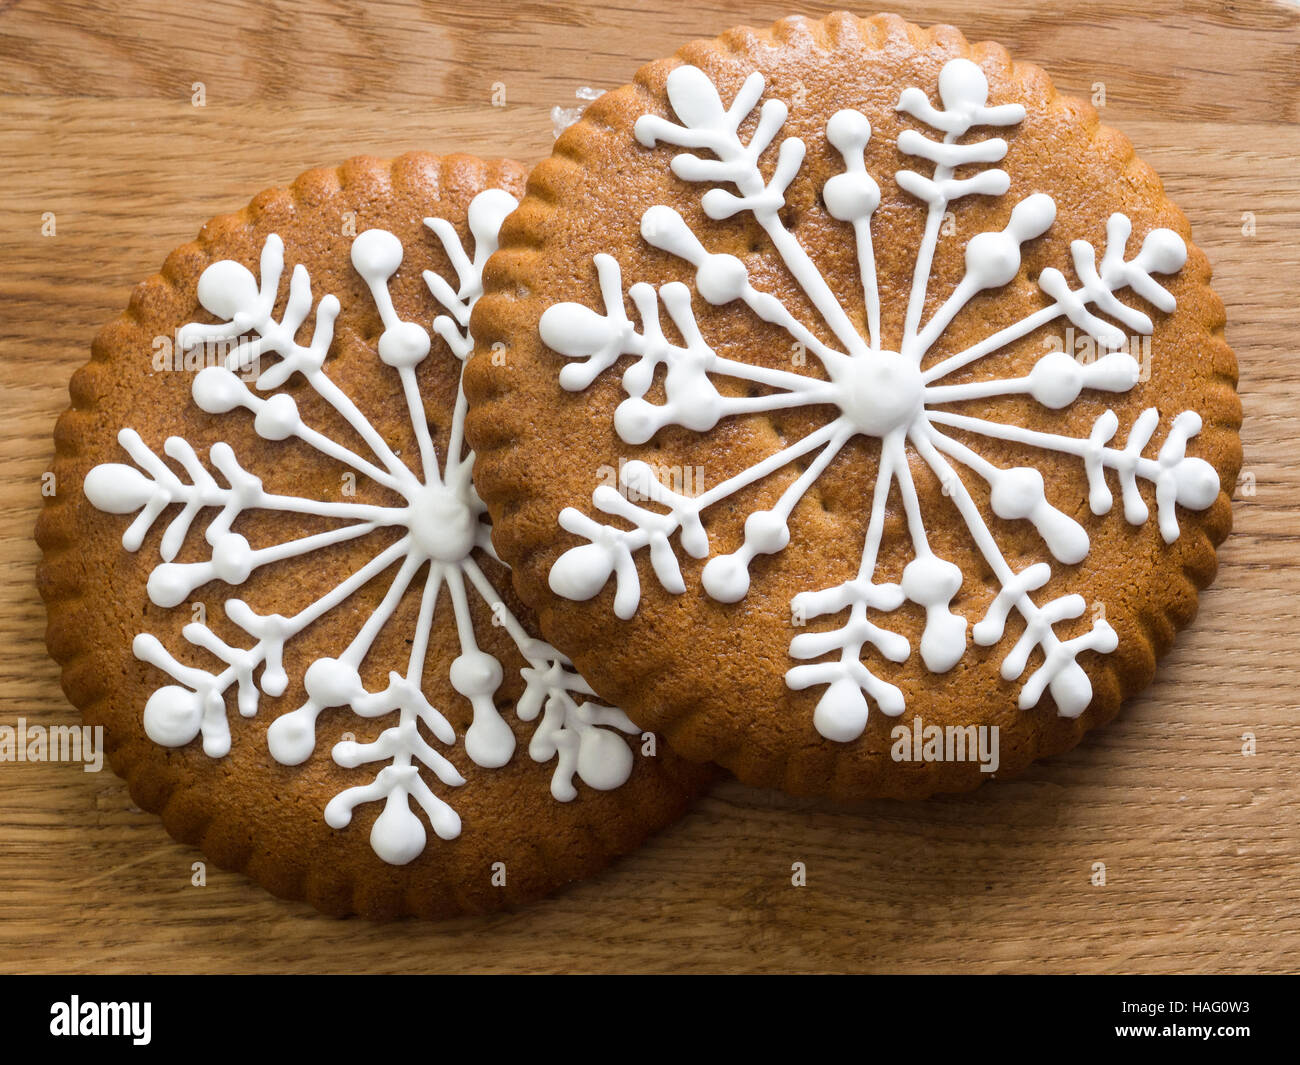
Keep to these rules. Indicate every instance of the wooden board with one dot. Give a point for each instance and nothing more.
(1201, 844)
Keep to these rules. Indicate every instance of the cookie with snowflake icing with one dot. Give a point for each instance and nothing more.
(270, 578)
(850, 403)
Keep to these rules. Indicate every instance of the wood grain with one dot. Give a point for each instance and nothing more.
(1201, 844)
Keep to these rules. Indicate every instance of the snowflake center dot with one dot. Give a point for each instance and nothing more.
(442, 523)
(879, 392)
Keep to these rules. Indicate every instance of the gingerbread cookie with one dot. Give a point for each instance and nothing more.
(270, 579)
(847, 402)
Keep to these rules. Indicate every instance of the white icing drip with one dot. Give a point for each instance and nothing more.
(443, 519)
(875, 391)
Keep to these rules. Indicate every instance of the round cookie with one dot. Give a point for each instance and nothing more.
(270, 580)
(853, 408)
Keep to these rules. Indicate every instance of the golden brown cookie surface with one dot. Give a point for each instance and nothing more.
(333, 686)
(841, 382)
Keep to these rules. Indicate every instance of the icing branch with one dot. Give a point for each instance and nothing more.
(228, 290)
(726, 577)
(119, 489)
(964, 91)
(1019, 494)
(330, 682)
(853, 197)
(376, 255)
(233, 560)
(1055, 381)
(1178, 477)
(476, 675)
(720, 279)
(486, 213)
(705, 124)
(1162, 252)
(578, 735)
(581, 572)
(175, 715)
(692, 400)
(1060, 671)
(217, 390)
(575, 734)
(992, 261)
(928, 580)
(397, 835)
(842, 710)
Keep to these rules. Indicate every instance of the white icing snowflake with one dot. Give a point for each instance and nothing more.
(441, 522)
(874, 391)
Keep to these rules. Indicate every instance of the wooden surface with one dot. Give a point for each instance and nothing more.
(1201, 844)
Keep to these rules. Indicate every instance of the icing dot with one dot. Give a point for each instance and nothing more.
(1032, 217)
(1056, 380)
(1163, 251)
(349, 754)
(638, 476)
(664, 228)
(232, 558)
(636, 421)
(726, 578)
(442, 523)
(992, 259)
(217, 390)
(278, 418)
(766, 531)
(168, 585)
(331, 682)
(397, 835)
(848, 131)
(930, 581)
(117, 489)
(376, 253)
(943, 641)
(962, 85)
(879, 392)
(851, 195)
(575, 330)
(890, 700)
(475, 673)
(841, 712)
(489, 741)
(486, 212)
(604, 759)
(694, 98)
(1116, 372)
(1196, 483)
(721, 279)
(292, 737)
(173, 715)
(1071, 690)
(225, 288)
(404, 344)
(581, 572)
(1017, 492)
